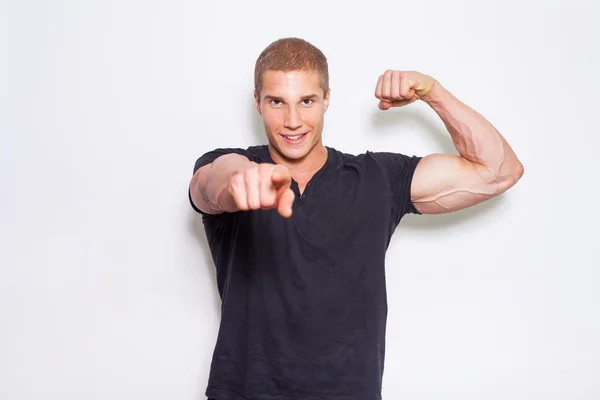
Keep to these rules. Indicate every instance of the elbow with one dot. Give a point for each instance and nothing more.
(510, 178)
(517, 172)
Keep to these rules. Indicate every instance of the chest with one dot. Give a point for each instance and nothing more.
(333, 215)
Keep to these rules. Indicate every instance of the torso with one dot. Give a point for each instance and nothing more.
(304, 298)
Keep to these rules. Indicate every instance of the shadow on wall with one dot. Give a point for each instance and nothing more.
(442, 221)
(407, 118)
(196, 227)
(256, 124)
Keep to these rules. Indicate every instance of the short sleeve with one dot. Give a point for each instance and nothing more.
(399, 171)
(211, 156)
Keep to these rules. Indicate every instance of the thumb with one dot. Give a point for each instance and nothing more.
(384, 105)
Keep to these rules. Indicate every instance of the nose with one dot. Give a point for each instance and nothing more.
(293, 119)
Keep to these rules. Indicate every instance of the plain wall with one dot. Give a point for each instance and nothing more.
(107, 289)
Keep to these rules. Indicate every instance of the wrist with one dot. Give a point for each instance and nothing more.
(437, 96)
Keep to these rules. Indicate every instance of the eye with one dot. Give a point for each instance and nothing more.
(307, 101)
(275, 102)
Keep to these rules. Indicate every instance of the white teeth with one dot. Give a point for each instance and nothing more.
(294, 137)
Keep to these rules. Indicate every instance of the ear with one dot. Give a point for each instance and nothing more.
(257, 102)
(326, 100)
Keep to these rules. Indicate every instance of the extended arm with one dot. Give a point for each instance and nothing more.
(209, 185)
(233, 183)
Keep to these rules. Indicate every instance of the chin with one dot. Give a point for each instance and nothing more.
(295, 151)
(294, 154)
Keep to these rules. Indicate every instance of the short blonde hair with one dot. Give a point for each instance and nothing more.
(291, 54)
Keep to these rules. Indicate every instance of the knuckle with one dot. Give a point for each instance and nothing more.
(267, 200)
(242, 205)
(265, 169)
(237, 180)
(240, 199)
(248, 173)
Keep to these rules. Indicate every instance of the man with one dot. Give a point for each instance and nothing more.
(298, 231)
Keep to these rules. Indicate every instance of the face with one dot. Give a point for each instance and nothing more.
(292, 106)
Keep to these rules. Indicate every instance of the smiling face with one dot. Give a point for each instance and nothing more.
(293, 106)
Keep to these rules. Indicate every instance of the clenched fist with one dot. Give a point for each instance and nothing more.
(263, 186)
(399, 88)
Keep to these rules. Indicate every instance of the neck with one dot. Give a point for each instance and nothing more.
(303, 169)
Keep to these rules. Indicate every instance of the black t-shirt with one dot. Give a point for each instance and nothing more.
(304, 306)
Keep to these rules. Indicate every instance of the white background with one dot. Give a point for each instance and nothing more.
(107, 289)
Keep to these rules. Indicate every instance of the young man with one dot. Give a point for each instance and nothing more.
(298, 231)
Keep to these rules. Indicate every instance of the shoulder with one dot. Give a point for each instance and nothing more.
(378, 160)
(343, 157)
(256, 153)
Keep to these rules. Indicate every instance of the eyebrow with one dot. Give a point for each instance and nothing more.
(309, 96)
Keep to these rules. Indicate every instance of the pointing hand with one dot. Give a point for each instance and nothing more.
(263, 186)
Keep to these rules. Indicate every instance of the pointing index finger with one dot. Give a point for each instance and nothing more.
(281, 176)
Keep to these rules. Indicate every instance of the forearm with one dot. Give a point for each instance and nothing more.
(210, 186)
(474, 137)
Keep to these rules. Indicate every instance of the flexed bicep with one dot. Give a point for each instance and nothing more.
(444, 183)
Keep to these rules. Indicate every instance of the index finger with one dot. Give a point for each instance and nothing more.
(281, 176)
(378, 88)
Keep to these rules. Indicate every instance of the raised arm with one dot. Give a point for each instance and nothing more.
(487, 165)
